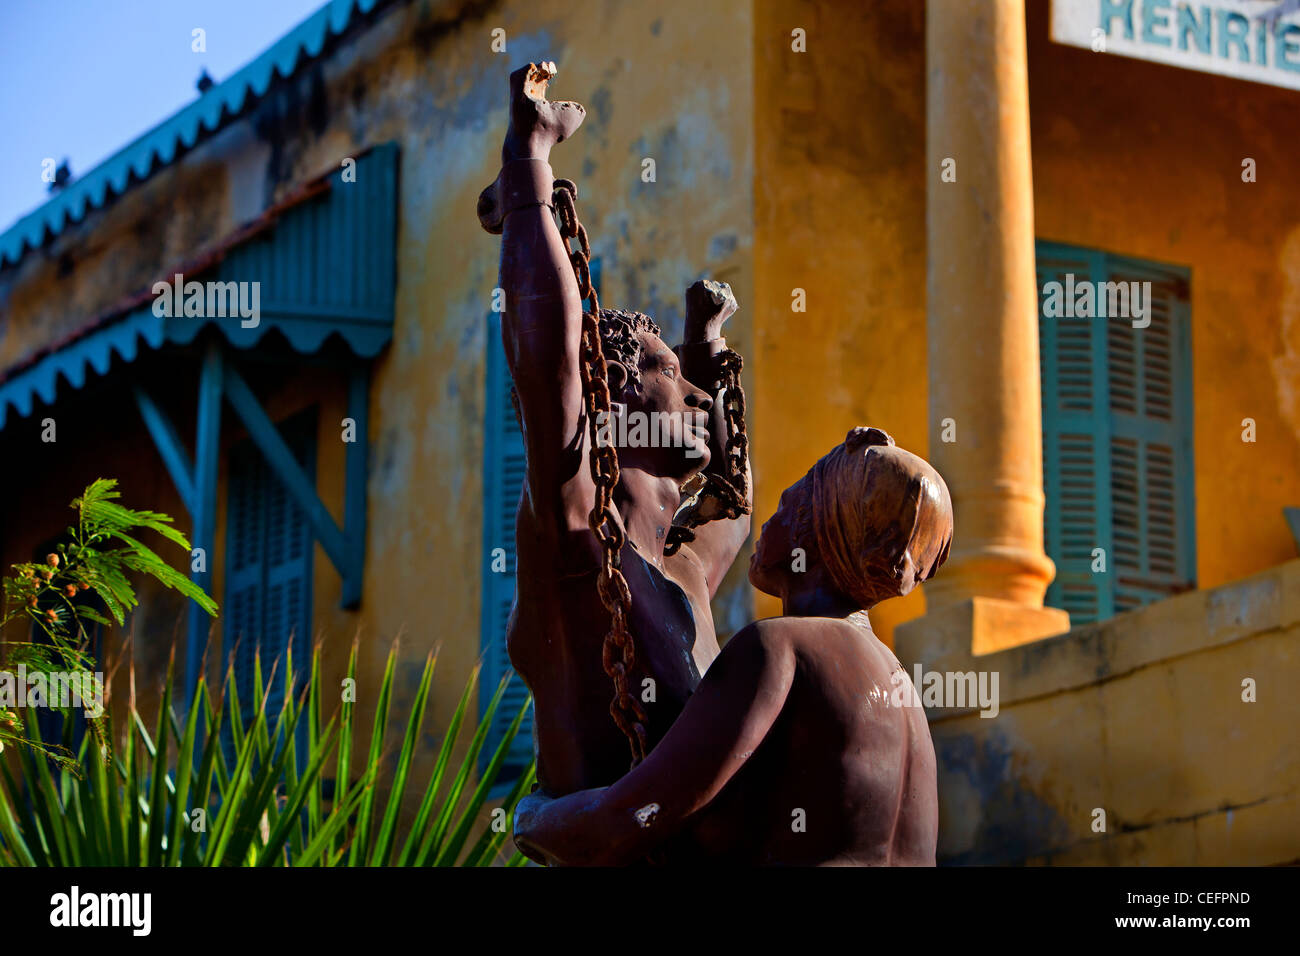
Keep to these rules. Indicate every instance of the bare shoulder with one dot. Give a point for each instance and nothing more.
(794, 632)
(772, 636)
(822, 644)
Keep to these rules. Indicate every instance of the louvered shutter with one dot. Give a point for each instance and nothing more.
(245, 562)
(1075, 467)
(1151, 462)
(269, 567)
(1116, 440)
(503, 482)
(288, 571)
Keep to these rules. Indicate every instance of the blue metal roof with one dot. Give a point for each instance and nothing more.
(165, 142)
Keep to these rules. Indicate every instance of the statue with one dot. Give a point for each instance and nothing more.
(790, 750)
(797, 747)
(619, 590)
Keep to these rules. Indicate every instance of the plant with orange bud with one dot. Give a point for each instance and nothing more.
(102, 551)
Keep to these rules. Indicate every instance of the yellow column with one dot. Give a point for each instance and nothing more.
(982, 312)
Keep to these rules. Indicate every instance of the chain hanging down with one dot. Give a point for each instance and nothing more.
(713, 496)
(618, 652)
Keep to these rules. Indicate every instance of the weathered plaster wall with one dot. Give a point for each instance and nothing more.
(1141, 716)
(1146, 160)
(839, 134)
(1119, 163)
(669, 81)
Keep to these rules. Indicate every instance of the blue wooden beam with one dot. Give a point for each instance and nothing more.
(169, 446)
(278, 456)
(354, 483)
(204, 509)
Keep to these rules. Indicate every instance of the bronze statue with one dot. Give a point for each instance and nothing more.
(796, 748)
(654, 577)
(789, 750)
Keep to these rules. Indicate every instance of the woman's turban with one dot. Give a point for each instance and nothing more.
(881, 516)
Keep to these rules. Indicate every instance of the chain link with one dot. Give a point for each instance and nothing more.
(736, 450)
(618, 652)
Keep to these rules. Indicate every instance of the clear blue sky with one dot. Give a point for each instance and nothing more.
(79, 79)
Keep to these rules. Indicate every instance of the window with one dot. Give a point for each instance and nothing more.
(269, 548)
(1117, 432)
(503, 481)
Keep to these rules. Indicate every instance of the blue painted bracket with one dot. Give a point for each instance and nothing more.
(204, 506)
(197, 483)
(168, 442)
(344, 549)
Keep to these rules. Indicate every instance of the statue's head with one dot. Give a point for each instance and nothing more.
(872, 519)
(665, 430)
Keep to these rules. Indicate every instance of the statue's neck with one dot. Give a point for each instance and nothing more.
(817, 596)
(647, 503)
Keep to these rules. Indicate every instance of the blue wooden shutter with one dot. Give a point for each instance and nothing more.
(269, 552)
(245, 562)
(503, 482)
(1117, 454)
(1149, 372)
(1076, 475)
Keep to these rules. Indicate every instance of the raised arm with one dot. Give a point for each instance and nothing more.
(708, 306)
(542, 321)
(723, 723)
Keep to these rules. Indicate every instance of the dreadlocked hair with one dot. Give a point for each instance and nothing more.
(619, 331)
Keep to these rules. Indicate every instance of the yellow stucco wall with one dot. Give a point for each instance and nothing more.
(1121, 163)
(1144, 717)
(840, 147)
(839, 143)
(672, 82)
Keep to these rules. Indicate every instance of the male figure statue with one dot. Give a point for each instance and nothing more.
(556, 631)
(805, 743)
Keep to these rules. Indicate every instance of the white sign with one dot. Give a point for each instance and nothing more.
(1249, 39)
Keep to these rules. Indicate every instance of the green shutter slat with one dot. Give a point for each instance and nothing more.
(1075, 468)
(1116, 440)
(1153, 440)
(269, 553)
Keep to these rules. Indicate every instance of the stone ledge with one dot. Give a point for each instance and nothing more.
(945, 640)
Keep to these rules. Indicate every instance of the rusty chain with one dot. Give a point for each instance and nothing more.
(618, 652)
(737, 447)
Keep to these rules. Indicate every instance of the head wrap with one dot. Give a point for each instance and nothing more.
(881, 516)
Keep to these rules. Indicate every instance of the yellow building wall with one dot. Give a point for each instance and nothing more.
(670, 82)
(839, 145)
(1122, 163)
(1119, 163)
(1174, 720)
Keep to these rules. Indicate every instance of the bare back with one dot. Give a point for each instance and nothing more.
(844, 776)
